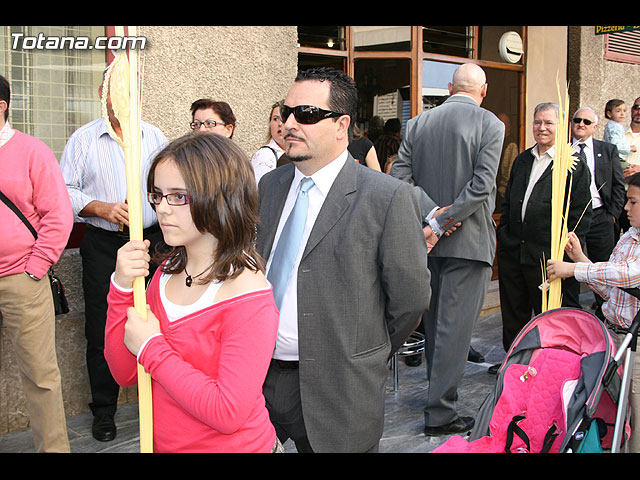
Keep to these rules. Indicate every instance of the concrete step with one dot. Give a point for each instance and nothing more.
(492, 300)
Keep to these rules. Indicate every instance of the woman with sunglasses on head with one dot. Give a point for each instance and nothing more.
(213, 117)
(211, 322)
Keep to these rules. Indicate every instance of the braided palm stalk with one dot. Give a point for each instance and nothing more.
(123, 84)
(564, 164)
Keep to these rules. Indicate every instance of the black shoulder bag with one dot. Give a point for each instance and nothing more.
(57, 290)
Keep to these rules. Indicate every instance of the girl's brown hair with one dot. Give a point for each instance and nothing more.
(223, 199)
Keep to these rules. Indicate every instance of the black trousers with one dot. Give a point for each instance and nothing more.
(520, 297)
(98, 250)
(601, 240)
(281, 391)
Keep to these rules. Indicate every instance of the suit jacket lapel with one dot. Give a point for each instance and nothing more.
(598, 163)
(335, 205)
(528, 161)
(272, 210)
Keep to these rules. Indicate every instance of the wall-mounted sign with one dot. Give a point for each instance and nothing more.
(600, 30)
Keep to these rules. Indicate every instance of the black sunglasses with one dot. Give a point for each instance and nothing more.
(585, 120)
(307, 114)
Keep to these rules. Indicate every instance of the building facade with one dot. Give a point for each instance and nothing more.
(399, 71)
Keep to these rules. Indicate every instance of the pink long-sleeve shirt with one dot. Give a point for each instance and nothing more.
(31, 178)
(207, 371)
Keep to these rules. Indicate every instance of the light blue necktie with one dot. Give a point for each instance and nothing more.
(289, 243)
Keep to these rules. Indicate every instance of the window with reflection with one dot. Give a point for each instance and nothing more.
(503, 99)
(448, 40)
(435, 82)
(53, 92)
(316, 36)
(383, 100)
(383, 89)
(381, 38)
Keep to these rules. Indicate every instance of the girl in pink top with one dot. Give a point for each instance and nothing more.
(211, 326)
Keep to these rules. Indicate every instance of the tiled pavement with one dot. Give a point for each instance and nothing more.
(404, 420)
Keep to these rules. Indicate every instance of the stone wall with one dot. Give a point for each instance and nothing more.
(70, 348)
(594, 80)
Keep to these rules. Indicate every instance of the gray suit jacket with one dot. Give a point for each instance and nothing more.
(451, 154)
(363, 284)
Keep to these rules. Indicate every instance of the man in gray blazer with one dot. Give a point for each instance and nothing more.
(451, 154)
(359, 281)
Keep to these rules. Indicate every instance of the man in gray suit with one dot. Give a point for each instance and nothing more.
(451, 154)
(359, 281)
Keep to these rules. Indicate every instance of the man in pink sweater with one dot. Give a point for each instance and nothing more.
(31, 179)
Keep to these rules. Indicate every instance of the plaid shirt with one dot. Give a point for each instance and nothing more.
(607, 278)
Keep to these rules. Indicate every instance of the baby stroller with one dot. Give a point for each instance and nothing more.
(557, 391)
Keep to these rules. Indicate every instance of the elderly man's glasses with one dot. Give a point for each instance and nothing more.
(155, 198)
(586, 121)
(307, 114)
(207, 124)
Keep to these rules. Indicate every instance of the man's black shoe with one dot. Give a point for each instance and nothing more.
(104, 428)
(459, 425)
(475, 356)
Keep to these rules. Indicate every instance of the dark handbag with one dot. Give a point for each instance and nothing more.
(57, 289)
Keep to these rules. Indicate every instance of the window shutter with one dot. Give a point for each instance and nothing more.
(623, 47)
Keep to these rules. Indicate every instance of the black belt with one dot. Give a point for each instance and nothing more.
(286, 364)
(124, 234)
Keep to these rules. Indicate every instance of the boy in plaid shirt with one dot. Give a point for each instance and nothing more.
(607, 279)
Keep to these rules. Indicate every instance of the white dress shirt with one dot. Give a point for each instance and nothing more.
(540, 164)
(287, 340)
(264, 160)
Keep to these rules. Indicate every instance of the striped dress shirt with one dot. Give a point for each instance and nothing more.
(608, 278)
(93, 168)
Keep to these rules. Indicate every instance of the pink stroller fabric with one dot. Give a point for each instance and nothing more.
(534, 398)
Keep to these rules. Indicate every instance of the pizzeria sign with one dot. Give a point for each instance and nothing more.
(600, 30)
